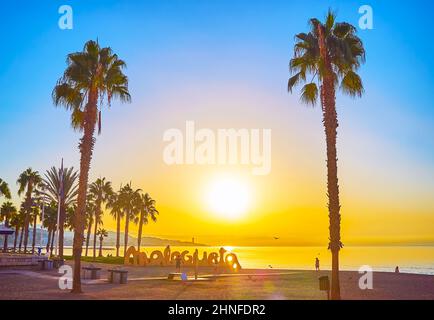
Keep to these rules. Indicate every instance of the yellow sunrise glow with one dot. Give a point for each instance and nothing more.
(228, 198)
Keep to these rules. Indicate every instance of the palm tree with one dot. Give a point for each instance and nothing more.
(28, 180)
(16, 222)
(101, 191)
(67, 195)
(92, 77)
(102, 233)
(4, 189)
(50, 222)
(131, 203)
(147, 211)
(115, 205)
(7, 211)
(331, 53)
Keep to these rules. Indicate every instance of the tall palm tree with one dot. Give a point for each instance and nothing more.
(68, 195)
(102, 233)
(131, 204)
(147, 211)
(4, 189)
(101, 191)
(28, 181)
(115, 205)
(7, 211)
(331, 53)
(92, 77)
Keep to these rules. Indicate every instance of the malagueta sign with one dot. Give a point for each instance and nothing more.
(168, 258)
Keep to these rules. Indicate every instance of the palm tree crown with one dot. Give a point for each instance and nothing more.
(4, 189)
(345, 53)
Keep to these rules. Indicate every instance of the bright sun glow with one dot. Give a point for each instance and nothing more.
(228, 198)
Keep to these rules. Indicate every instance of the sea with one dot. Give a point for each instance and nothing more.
(409, 259)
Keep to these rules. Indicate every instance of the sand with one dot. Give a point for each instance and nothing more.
(250, 284)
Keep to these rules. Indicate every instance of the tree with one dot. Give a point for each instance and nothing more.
(102, 233)
(147, 211)
(4, 189)
(28, 181)
(50, 222)
(92, 77)
(68, 195)
(330, 53)
(131, 203)
(101, 190)
(115, 205)
(7, 211)
(16, 222)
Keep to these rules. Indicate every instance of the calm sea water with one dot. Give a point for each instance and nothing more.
(411, 259)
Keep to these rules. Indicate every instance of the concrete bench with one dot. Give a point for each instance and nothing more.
(118, 276)
(177, 276)
(45, 264)
(91, 273)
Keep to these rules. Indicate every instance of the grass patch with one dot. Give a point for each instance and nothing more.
(108, 260)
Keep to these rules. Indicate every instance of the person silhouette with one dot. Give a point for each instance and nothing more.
(178, 263)
(316, 264)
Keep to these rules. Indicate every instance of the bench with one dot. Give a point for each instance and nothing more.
(91, 273)
(177, 276)
(45, 264)
(118, 276)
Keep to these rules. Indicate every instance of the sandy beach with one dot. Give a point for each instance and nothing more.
(150, 283)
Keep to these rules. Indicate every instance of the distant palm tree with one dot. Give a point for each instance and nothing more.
(4, 189)
(131, 203)
(115, 205)
(52, 181)
(91, 77)
(102, 233)
(101, 191)
(28, 181)
(147, 211)
(7, 211)
(331, 53)
(16, 222)
(50, 222)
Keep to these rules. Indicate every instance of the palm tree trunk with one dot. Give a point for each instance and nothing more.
(100, 248)
(17, 230)
(94, 236)
(48, 240)
(5, 244)
(89, 228)
(139, 239)
(62, 217)
(118, 233)
(26, 231)
(21, 238)
(35, 219)
(127, 225)
(330, 120)
(86, 148)
(53, 236)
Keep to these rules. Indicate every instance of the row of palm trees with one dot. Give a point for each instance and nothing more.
(59, 187)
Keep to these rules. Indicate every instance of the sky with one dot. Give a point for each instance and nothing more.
(224, 64)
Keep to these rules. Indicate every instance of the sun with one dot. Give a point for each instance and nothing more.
(228, 198)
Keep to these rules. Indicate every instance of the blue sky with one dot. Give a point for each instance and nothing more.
(180, 49)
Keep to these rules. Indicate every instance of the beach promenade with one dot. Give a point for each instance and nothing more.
(150, 283)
